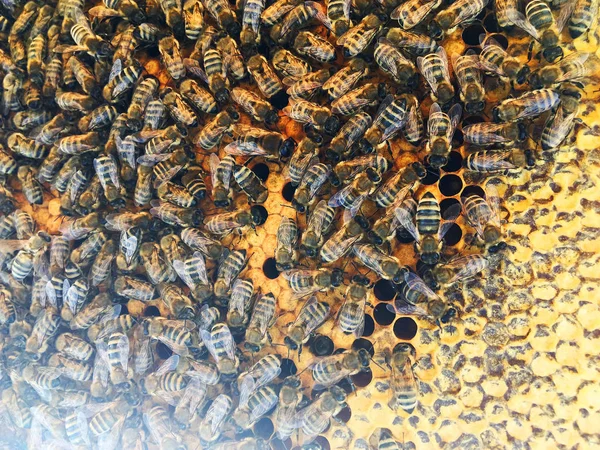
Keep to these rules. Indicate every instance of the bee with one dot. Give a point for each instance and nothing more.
(233, 60)
(8, 313)
(12, 83)
(193, 180)
(191, 400)
(221, 346)
(316, 417)
(348, 135)
(154, 261)
(429, 231)
(176, 301)
(494, 59)
(210, 427)
(489, 161)
(487, 133)
(561, 122)
(466, 68)
(260, 374)
(178, 109)
(313, 46)
(571, 67)
(277, 10)
(306, 86)
(384, 228)
(224, 16)
(440, 130)
(459, 269)
(330, 370)
(143, 186)
(530, 104)
(135, 288)
(199, 97)
(95, 311)
(84, 77)
(413, 293)
(305, 282)
(484, 215)
(193, 14)
(109, 418)
(164, 379)
(288, 65)
(196, 240)
(263, 317)
(18, 51)
(212, 133)
(266, 79)
(121, 80)
(290, 399)
(434, 68)
(121, 324)
(411, 13)
(352, 196)
(457, 13)
(17, 408)
(311, 183)
(106, 169)
(250, 184)
(221, 171)
(175, 215)
(256, 106)
(390, 119)
(74, 297)
(35, 57)
(344, 79)
(72, 101)
(358, 38)
(252, 141)
(585, 13)
(240, 303)
(298, 18)
(100, 117)
(178, 195)
(45, 327)
(318, 224)
(260, 403)
(387, 267)
(74, 347)
(345, 171)
(175, 334)
(287, 238)
(22, 145)
(351, 316)
(142, 95)
(403, 383)
(356, 100)
(154, 115)
(228, 271)
(312, 315)
(158, 423)
(79, 143)
(395, 64)
(171, 57)
(539, 22)
(172, 10)
(49, 417)
(338, 14)
(30, 186)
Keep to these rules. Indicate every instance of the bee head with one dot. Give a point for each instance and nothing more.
(374, 238)
(233, 28)
(271, 117)
(535, 80)
(437, 161)
(362, 222)
(434, 30)
(475, 107)
(333, 157)
(341, 26)
(104, 49)
(364, 358)
(431, 258)
(252, 336)
(222, 95)
(338, 394)
(445, 92)
(382, 90)
(309, 251)
(365, 146)
(337, 277)
(449, 315)
(299, 206)
(332, 125)
(361, 279)
(259, 214)
(322, 346)
(419, 169)
(522, 74)
(497, 114)
(497, 247)
(287, 149)
(412, 78)
(373, 175)
(290, 341)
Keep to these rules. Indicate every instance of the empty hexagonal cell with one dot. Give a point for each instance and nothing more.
(261, 170)
(384, 290)
(453, 236)
(364, 343)
(472, 190)
(382, 315)
(450, 185)
(369, 326)
(270, 268)
(454, 162)
(405, 328)
(470, 35)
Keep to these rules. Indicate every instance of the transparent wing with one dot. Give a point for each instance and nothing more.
(414, 282)
(402, 307)
(338, 198)
(521, 21)
(405, 219)
(493, 200)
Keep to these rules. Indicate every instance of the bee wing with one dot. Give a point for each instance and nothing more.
(169, 365)
(358, 201)
(455, 113)
(110, 439)
(82, 425)
(338, 198)
(405, 219)
(115, 70)
(413, 11)
(415, 282)
(201, 267)
(100, 371)
(521, 21)
(242, 148)
(403, 380)
(11, 246)
(496, 160)
(152, 160)
(174, 346)
(166, 176)
(451, 214)
(102, 12)
(318, 182)
(129, 243)
(123, 349)
(575, 61)
(263, 319)
(402, 307)
(493, 200)
(560, 124)
(214, 162)
(468, 266)
(564, 14)
(69, 48)
(444, 57)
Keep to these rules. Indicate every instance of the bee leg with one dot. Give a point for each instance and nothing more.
(530, 51)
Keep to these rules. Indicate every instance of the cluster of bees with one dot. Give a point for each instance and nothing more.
(128, 153)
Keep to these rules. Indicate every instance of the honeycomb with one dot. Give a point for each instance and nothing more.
(519, 369)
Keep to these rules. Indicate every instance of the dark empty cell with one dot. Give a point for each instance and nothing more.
(471, 120)
(384, 290)
(322, 345)
(264, 428)
(369, 326)
(288, 368)
(432, 176)
(362, 379)
(458, 139)
(403, 236)
(500, 39)
(288, 192)
(363, 343)
(261, 170)
(405, 328)
(453, 235)
(270, 269)
(323, 442)
(163, 351)
(472, 190)
(454, 162)
(382, 315)
(471, 34)
(450, 185)
(124, 310)
(490, 23)
(344, 415)
(447, 206)
(151, 311)
(280, 100)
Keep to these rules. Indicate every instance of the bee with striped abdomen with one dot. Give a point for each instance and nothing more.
(250, 184)
(403, 383)
(457, 13)
(265, 77)
(289, 65)
(121, 79)
(348, 135)
(193, 14)
(314, 178)
(489, 161)
(470, 80)
(316, 417)
(573, 67)
(260, 403)
(99, 118)
(44, 329)
(260, 109)
(221, 172)
(384, 228)
(338, 15)
(318, 224)
(494, 59)
(362, 97)
(176, 194)
(584, 15)
(310, 113)
(487, 133)
(344, 79)
(79, 143)
(529, 104)
(262, 318)
(434, 68)
(199, 97)
(171, 57)
(352, 196)
(157, 269)
(351, 315)
(312, 315)
(177, 108)
(390, 118)
(313, 46)
(240, 303)
(221, 346)
(440, 131)
(305, 282)
(175, 334)
(24, 146)
(345, 171)
(306, 86)
(330, 370)
(561, 122)
(174, 298)
(459, 269)
(144, 92)
(484, 215)
(287, 238)
(211, 425)
(358, 38)
(290, 399)
(387, 267)
(395, 64)
(228, 271)
(165, 378)
(251, 20)
(212, 133)
(260, 374)
(30, 186)
(411, 13)
(253, 141)
(175, 215)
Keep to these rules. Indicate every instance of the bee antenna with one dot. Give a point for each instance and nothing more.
(378, 365)
(289, 206)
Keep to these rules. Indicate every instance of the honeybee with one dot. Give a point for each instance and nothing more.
(390, 118)
(45, 327)
(178, 109)
(561, 122)
(440, 130)
(484, 216)
(193, 273)
(489, 161)
(259, 375)
(403, 383)
(221, 346)
(316, 417)
(165, 379)
(307, 112)
(215, 417)
(256, 106)
(196, 240)
(472, 92)
(212, 133)
(228, 271)
(487, 133)
(460, 268)
(352, 196)
(312, 315)
(387, 267)
(585, 13)
(179, 304)
(225, 223)
(385, 227)
(174, 215)
(416, 298)
(358, 99)
(411, 13)
(158, 423)
(572, 67)
(358, 38)
(311, 183)
(239, 303)
(22, 145)
(171, 57)
(394, 190)
(395, 64)
(30, 186)
(288, 65)
(330, 370)
(290, 399)
(263, 317)
(313, 46)
(318, 224)
(252, 141)
(193, 14)
(530, 104)
(458, 12)
(306, 282)
(287, 238)
(344, 79)
(298, 18)
(539, 22)
(434, 68)
(351, 316)
(175, 334)
(338, 15)
(265, 77)
(345, 171)
(114, 350)
(494, 59)
(260, 403)
(134, 288)
(250, 184)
